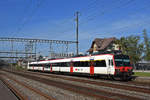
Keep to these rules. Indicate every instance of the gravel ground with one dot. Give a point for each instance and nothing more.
(109, 89)
(143, 79)
(67, 95)
(57, 93)
(106, 81)
(6, 93)
(26, 92)
(114, 90)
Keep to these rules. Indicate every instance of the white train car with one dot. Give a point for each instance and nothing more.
(105, 64)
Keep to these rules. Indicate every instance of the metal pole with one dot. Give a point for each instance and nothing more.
(77, 32)
(51, 51)
(35, 51)
(12, 49)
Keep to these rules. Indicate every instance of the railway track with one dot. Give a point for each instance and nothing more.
(13, 89)
(118, 86)
(18, 93)
(140, 83)
(99, 94)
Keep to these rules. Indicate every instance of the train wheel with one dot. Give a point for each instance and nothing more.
(112, 77)
(126, 78)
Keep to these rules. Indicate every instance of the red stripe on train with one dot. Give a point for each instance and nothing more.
(71, 68)
(92, 68)
(123, 69)
(51, 68)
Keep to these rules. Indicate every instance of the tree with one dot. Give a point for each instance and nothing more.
(146, 46)
(131, 46)
(122, 42)
(134, 48)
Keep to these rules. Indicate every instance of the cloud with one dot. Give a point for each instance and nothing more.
(130, 25)
(51, 29)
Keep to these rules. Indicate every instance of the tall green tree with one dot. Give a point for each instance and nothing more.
(146, 46)
(131, 46)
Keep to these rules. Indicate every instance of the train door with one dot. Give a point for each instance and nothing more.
(71, 67)
(51, 68)
(110, 66)
(91, 67)
(43, 67)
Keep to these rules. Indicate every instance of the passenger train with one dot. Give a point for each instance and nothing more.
(114, 66)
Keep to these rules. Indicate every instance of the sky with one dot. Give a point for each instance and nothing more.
(55, 19)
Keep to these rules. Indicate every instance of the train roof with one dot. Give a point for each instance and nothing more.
(78, 58)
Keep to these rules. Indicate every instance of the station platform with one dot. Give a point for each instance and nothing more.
(5, 93)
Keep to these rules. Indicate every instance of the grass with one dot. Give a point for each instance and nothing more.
(143, 74)
(19, 68)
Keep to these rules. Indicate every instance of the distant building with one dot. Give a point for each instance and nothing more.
(102, 45)
(143, 65)
(22, 63)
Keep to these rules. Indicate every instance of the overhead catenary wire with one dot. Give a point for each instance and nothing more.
(71, 18)
(126, 27)
(70, 28)
(121, 30)
(127, 3)
(91, 17)
(26, 20)
(22, 19)
(99, 6)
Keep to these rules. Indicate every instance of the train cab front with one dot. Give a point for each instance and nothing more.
(123, 68)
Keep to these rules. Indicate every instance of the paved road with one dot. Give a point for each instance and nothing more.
(5, 93)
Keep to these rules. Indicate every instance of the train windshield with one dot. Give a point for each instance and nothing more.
(122, 60)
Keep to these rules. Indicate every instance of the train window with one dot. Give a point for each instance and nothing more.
(75, 64)
(81, 64)
(112, 62)
(39, 65)
(53, 64)
(101, 63)
(63, 64)
(68, 64)
(33, 65)
(56, 64)
(30, 64)
(46, 65)
(86, 64)
(42, 65)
